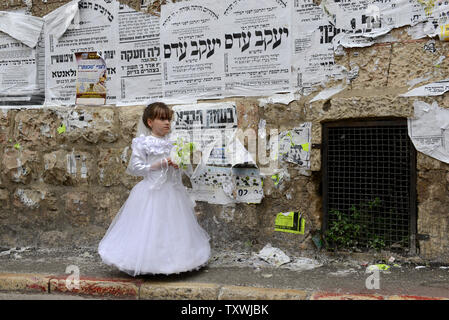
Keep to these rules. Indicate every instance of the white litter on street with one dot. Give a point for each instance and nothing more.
(273, 255)
(302, 264)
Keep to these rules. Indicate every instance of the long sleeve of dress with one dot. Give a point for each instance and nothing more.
(142, 160)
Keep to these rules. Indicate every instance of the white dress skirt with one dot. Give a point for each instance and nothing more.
(156, 230)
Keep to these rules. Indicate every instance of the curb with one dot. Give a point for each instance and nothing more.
(147, 290)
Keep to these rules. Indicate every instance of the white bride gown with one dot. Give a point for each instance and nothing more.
(156, 230)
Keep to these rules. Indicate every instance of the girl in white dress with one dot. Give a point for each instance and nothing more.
(156, 230)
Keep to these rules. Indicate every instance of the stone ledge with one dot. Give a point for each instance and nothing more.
(343, 296)
(97, 287)
(24, 282)
(250, 293)
(415, 298)
(179, 291)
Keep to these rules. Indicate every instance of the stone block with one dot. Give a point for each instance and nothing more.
(40, 9)
(12, 4)
(373, 63)
(5, 123)
(87, 235)
(241, 215)
(426, 162)
(68, 167)
(412, 60)
(28, 198)
(128, 119)
(35, 128)
(431, 185)
(5, 203)
(36, 208)
(90, 124)
(367, 106)
(21, 165)
(107, 206)
(77, 208)
(112, 164)
(54, 238)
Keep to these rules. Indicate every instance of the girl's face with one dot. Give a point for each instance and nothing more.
(159, 127)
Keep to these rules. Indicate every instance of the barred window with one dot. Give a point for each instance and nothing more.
(369, 181)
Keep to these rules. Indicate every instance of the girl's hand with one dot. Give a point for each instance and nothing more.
(171, 163)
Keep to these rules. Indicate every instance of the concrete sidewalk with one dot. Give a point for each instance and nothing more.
(229, 276)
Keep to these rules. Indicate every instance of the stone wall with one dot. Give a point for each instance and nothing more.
(63, 189)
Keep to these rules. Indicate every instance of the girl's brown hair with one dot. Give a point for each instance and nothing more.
(156, 110)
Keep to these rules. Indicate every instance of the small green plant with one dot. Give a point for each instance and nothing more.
(346, 229)
(343, 233)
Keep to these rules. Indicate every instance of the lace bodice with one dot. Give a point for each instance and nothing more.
(147, 160)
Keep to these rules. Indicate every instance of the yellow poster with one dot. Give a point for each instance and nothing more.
(291, 222)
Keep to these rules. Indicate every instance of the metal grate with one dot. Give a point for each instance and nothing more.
(369, 179)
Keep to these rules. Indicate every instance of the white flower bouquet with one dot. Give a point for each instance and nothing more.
(182, 152)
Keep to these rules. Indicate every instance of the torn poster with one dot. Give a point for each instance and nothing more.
(429, 130)
(140, 57)
(18, 70)
(98, 28)
(226, 185)
(58, 21)
(291, 222)
(236, 152)
(248, 185)
(313, 50)
(192, 49)
(294, 145)
(432, 89)
(91, 79)
(327, 93)
(257, 47)
(436, 20)
(22, 27)
(21, 59)
(282, 98)
(212, 124)
(212, 128)
(360, 22)
(212, 185)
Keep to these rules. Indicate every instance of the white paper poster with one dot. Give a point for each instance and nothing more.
(257, 47)
(294, 145)
(429, 130)
(226, 185)
(432, 89)
(362, 21)
(206, 124)
(97, 31)
(248, 185)
(436, 20)
(210, 185)
(140, 68)
(17, 67)
(21, 59)
(192, 49)
(313, 50)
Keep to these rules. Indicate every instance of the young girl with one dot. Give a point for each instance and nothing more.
(156, 230)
